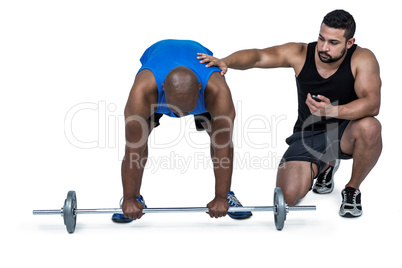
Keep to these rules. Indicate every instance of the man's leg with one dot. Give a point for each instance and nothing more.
(295, 179)
(362, 139)
(325, 180)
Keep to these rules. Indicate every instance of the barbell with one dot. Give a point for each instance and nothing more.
(69, 211)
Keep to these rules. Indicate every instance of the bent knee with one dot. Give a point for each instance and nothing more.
(369, 129)
(292, 196)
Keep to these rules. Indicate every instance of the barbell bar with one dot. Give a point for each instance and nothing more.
(69, 211)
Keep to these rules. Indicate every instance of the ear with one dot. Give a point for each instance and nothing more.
(350, 43)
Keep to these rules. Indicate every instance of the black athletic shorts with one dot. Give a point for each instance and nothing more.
(319, 147)
(198, 119)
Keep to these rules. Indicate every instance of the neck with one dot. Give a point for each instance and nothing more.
(327, 69)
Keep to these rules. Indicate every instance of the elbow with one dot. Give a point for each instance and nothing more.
(376, 112)
(232, 116)
(372, 112)
(373, 107)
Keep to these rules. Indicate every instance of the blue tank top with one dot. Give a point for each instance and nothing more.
(163, 56)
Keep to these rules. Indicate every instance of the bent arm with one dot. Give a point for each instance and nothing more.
(367, 87)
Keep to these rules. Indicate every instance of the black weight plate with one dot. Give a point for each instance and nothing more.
(70, 204)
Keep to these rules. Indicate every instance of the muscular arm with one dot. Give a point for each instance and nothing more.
(367, 87)
(219, 103)
(137, 111)
(287, 55)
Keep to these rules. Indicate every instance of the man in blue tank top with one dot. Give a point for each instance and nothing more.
(339, 88)
(171, 82)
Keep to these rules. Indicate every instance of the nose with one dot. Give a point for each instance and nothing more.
(325, 46)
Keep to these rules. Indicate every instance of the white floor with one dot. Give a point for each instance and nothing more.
(67, 71)
(308, 239)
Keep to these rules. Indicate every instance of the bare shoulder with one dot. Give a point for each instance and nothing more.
(296, 53)
(216, 83)
(364, 59)
(363, 54)
(143, 94)
(292, 48)
(145, 83)
(218, 98)
(366, 71)
(287, 55)
(295, 48)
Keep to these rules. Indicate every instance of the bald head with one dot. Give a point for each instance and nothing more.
(181, 89)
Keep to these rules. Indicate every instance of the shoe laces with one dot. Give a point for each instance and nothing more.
(233, 201)
(350, 196)
(322, 178)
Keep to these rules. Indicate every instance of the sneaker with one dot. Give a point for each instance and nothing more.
(351, 203)
(325, 181)
(119, 217)
(234, 202)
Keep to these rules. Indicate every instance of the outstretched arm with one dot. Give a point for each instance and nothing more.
(138, 109)
(220, 105)
(287, 55)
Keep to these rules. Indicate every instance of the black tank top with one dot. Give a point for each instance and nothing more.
(339, 88)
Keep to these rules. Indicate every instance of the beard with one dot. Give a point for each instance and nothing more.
(326, 58)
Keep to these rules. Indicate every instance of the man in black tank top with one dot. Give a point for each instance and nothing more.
(338, 87)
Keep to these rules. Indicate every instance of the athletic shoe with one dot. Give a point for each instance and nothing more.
(351, 203)
(325, 181)
(234, 202)
(119, 217)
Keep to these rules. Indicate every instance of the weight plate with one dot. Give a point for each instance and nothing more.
(70, 205)
(280, 208)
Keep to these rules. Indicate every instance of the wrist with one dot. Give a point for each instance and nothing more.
(333, 112)
(221, 197)
(222, 192)
(226, 61)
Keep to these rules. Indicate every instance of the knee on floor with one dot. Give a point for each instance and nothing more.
(292, 196)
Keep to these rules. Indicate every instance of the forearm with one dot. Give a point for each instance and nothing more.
(222, 159)
(131, 171)
(243, 59)
(360, 108)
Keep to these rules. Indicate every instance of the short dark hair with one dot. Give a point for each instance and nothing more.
(341, 19)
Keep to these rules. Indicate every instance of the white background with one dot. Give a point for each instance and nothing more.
(56, 55)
